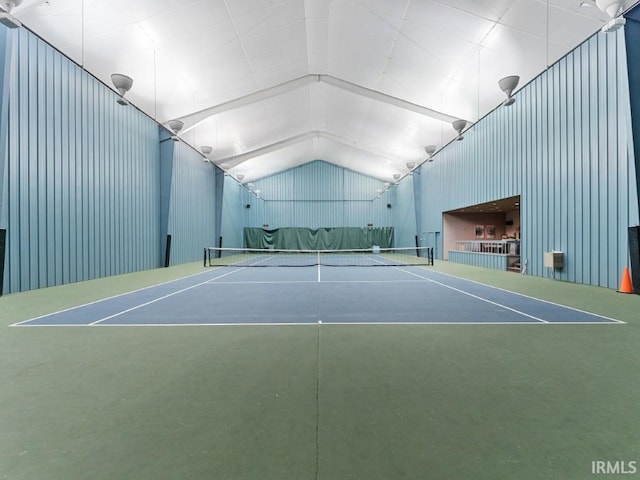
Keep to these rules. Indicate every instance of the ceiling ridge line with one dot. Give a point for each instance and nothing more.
(394, 41)
(244, 50)
(387, 59)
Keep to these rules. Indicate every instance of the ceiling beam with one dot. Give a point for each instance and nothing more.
(193, 119)
(383, 97)
(236, 160)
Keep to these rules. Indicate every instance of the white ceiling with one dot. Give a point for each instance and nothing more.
(279, 83)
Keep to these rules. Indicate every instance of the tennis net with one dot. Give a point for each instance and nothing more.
(372, 257)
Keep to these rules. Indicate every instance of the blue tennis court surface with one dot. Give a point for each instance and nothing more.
(313, 295)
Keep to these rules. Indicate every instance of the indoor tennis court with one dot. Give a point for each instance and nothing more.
(319, 239)
(394, 293)
(160, 392)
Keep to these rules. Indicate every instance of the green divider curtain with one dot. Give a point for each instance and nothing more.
(338, 238)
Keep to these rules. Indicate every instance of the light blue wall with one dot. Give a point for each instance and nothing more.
(404, 213)
(192, 206)
(81, 185)
(566, 148)
(233, 213)
(4, 104)
(83, 192)
(632, 40)
(81, 180)
(317, 195)
(313, 195)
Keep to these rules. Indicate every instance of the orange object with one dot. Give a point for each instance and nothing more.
(625, 283)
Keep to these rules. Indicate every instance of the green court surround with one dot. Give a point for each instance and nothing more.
(327, 402)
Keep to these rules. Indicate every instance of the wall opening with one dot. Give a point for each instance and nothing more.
(488, 228)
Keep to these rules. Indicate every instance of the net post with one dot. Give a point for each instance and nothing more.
(204, 257)
(219, 252)
(417, 246)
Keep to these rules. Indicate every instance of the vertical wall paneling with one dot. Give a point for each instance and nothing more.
(192, 210)
(167, 147)
(233, 213)
(565, 147)
(5, 69)
(632, 37)
(81, 183)
(5, 66)
(313, 195)
(403, 213)
(417, 201)
(219, 186)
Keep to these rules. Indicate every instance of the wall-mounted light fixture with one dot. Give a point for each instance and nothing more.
(6, 19)
(206, 151)
(430, 149)
(458, 126)
(9, 5)
(613, 8)
(175, 126)
(123, 84)
(508, 85)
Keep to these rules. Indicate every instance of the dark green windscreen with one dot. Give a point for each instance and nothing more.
(337, 238)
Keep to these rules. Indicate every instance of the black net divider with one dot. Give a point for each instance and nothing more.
(369, 257)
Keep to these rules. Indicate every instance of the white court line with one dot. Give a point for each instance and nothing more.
(162, 298)
(107, 298)
(211, 280)
(474, 296)
(247, 324)
(268, 282)
(612, 321)
(324, 322)
(249, 282)
(515, 293)
(530, 297)
(506, 322)
(311, 323)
